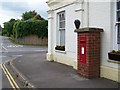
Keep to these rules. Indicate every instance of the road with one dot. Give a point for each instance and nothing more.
(9, 51)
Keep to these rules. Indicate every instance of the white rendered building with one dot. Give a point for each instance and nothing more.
(103, 14)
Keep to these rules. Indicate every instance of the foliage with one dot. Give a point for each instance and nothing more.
(4, 32)
(8, 26)
(113, 51)
(31, 27)
(28, 15)
(30, 24)
(62, 48)
(116, 52)
(15, 29)
(38, 17)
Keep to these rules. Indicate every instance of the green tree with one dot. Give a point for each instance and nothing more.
(38, 17)
(8, 26)
(0, 28)
(31, 15)
(31, 24)
(28, 15)
(15, 29)
(30, 27)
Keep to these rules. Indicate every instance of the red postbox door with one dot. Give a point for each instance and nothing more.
(82, 55)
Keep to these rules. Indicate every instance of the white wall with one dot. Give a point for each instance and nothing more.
(95, 14)
(115, 45)
(100, 15)
(55, 4)
(71, 37)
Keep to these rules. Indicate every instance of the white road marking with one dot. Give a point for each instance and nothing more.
(4, 48)
(20, 45)
(11, 55)
(15, 46)
(3, 56)
(33, 50)
(1, 44)
(17, 55)
(9, 46)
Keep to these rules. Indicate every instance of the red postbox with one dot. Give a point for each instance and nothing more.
(89, 52)
(82, 55)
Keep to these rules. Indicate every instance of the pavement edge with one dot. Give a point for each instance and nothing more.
(18, 74)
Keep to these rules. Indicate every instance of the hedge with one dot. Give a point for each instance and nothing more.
(30, 27)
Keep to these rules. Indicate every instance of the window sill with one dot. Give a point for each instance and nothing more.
(113, 61)
(59, 51)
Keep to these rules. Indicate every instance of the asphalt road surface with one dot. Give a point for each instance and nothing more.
(9, 51)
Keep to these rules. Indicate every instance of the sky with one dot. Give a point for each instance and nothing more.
(14, 8)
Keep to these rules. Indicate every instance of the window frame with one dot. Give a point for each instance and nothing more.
(61, 28)
(118, 22)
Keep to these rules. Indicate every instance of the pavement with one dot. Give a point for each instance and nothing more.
(34, 71)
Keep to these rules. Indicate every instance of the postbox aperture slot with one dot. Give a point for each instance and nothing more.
(82, 41)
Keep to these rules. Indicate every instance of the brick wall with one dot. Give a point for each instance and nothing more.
(91, 67)
(33, 39)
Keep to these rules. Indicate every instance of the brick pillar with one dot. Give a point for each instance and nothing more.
(89, 52)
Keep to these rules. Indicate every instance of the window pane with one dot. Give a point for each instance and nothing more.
(62, 37)
(118, 5)
(59, 17)
(118, 16)
(63, 16)
(118, 46)
(62, 24)
(118, 33)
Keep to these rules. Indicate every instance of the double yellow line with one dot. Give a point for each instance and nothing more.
(10, 78)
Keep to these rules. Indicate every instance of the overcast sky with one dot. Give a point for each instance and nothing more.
(14, 8)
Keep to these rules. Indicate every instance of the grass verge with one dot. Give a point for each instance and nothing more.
(13, 40)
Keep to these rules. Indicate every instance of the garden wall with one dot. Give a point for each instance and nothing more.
(33, 39)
